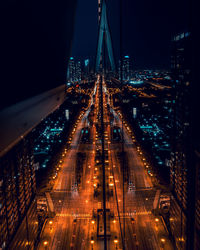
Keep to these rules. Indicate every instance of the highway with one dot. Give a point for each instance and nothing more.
(76, 202)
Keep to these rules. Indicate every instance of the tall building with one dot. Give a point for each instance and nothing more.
(78, 72)
(185, 205)
(18, 213)
(125, 69)
(74, 71)
(17, 191)
(86, 67)
(71, 70)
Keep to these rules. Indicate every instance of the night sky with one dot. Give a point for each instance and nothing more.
(37, 37)
(147, 29)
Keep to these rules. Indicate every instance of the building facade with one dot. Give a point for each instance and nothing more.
(78, 72)
(125, 69)
(74, 71)
(71, 70)
(17, 191)
(184, 209)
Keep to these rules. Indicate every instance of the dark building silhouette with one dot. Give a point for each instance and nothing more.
(17, 191)
(36, 42)
(184, 174)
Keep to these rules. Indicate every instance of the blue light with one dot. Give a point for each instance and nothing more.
(86, 62)
(71, 58)
(135, 82)
(187, 34)
(146, 127)
(126, 56)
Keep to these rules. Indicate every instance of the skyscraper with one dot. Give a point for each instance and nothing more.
(71, 70)
(78, 72)
(17, 191)
(125, 68)
(185, 206)
(86, 67)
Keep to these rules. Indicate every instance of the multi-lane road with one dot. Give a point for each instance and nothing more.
(76, 224)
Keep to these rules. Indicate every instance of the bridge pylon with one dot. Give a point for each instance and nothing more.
(104, 37)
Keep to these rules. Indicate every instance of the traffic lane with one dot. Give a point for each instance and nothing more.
(141, 179)
(131, 242)
(59, 223)
(145, 235)
(64, 180)
(140, 207)
(144, 224)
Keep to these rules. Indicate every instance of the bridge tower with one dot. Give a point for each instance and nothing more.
(104, 37)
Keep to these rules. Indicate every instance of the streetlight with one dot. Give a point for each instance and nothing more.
(92, 242)
(116, 241)
(50, 223)
(162, 242)
(45, 243)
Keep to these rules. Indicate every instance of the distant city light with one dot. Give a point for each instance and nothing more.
(67, 114)
(134, 112)
(86, 62)
(136, 82)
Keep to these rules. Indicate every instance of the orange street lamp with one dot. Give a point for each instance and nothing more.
(45, 243)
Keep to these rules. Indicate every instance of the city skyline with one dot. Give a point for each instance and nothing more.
(146, 38)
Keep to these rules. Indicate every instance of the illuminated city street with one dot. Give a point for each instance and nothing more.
(75, 224)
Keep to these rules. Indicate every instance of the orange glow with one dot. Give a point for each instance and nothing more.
(45, 242)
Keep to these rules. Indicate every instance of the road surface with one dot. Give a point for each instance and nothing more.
(76, 224)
